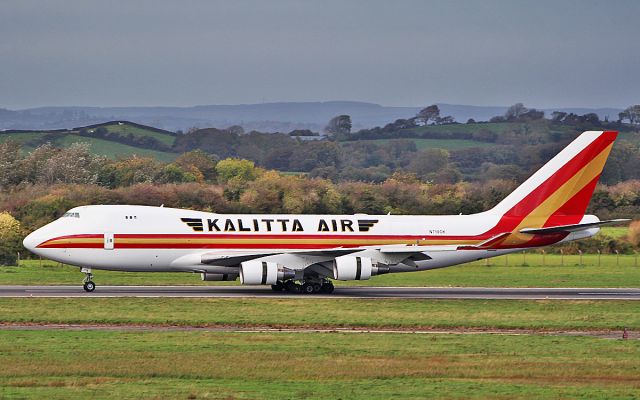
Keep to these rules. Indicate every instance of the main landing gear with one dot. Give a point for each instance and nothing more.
(323, 286)
(88, 284)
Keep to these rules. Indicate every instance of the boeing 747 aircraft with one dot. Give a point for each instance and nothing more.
(303, 253)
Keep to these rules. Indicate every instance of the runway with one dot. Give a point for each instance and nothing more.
(361, 292)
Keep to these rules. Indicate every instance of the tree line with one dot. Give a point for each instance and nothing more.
(238, 186)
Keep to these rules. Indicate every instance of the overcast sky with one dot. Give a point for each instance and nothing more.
(408, 53)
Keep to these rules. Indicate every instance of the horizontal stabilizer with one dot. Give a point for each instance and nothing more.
(569, 228)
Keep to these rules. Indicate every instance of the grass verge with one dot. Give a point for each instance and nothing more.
(194, 365)
(505, 314)
(516, 270)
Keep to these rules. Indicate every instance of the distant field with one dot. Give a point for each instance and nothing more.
(99, 146)
(26, 139)
(20, 137)
(114, 149)
(498, 127)
(446, 144)
(217, 365)
(516, 270)
(140, 132)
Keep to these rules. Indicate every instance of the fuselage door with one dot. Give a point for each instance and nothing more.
(108, 241)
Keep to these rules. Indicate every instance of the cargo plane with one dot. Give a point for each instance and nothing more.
(304, 253)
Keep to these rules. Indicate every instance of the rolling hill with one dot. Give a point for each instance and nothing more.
(111, 139)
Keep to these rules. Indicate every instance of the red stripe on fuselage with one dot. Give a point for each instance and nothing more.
(182, 244)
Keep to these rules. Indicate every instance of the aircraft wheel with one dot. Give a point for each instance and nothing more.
(89, 286)
(327, 287)
(317, 288)
(278, 287)
(307, 288)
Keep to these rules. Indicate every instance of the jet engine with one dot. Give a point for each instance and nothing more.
(218, 277)
(353, 268)
(257, 272)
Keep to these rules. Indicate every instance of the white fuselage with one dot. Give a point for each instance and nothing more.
(154, 239)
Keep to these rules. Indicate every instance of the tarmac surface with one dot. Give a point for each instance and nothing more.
(361, 292)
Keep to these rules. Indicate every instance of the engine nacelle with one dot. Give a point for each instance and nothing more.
(352, 268)
(263, 273)
(205, 276)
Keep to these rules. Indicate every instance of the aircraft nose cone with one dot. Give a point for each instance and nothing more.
(31, 241)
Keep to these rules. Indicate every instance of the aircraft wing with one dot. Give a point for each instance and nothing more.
(282, 256)
(236, 258)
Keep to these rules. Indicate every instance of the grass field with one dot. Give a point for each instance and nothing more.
(22, 137)
(114, 149)
(301, 311)
(99, 146)
(215, 365)
(136, 131)
(498, 127)
(119, 361)
(516, 270)
(446, 144)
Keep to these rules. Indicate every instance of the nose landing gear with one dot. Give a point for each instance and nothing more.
(88, 284)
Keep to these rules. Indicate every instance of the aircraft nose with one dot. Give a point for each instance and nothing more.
(31, 241)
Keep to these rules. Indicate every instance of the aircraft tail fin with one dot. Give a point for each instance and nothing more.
(560, 191)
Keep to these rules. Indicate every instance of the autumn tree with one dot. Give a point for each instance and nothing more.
(234, 168)
(75, 164)
(199, 163)
(130, 171)
(10, 238)
(10, 160)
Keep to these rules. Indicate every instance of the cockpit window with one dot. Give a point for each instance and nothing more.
(71, 215)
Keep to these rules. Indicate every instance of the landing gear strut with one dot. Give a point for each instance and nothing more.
(88, 284)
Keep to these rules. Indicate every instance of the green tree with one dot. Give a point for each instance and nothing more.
(339, 126)
(428, 114)
(199, 163)
(172, 173)
(515, 111)
(10, 238)
(130, 171)
(237, 169)
(428, 161)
